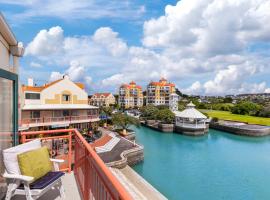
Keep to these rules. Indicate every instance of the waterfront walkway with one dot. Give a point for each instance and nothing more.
(138, 187)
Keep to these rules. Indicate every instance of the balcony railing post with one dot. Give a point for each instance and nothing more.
(86, 178)
(69, 151)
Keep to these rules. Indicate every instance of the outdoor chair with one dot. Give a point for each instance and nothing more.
(19, 184)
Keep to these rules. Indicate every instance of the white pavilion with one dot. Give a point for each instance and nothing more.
(190, 121)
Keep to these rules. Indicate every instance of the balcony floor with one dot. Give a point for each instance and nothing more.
(70, 186)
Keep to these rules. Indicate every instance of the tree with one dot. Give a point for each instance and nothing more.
(149, 112)
(227, 100)
(124, 121)
(246, 108)
(166, 116)
(265, 112)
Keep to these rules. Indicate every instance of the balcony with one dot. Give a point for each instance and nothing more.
(87, 177)
(55, 121)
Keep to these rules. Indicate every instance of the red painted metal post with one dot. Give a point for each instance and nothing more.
(69, 151)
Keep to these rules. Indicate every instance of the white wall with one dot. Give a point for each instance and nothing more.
(59, 87)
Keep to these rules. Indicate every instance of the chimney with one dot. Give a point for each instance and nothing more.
(30, 82)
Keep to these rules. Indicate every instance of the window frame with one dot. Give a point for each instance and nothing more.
(14, 78)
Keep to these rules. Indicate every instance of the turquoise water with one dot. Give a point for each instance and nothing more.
(212, 167)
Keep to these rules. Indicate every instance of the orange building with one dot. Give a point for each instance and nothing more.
(158, 93)
(130, 95)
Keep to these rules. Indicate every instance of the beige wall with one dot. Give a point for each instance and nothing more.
(4, 54)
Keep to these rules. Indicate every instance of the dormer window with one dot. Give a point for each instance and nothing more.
(66, 97)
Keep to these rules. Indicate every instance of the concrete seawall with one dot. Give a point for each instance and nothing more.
(158, 126)
(243, 129)
(191, 131)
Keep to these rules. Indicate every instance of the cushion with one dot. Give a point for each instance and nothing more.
(35, 163)
(10, 155)
(44, 181)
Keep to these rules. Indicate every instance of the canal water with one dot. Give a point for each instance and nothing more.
(211, 167)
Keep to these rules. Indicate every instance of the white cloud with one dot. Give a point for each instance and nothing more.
(232, 80)
(76, 73)
(109, 39)
(211, 26)
(212, 43)
(74, 9)
(55, 76)
(267, 90)
(35, 64)
(46, 42)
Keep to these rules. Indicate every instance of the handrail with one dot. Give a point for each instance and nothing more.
(124, 195)
(115, 188)
(57, 119)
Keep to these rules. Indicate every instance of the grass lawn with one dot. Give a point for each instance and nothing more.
(234, 117)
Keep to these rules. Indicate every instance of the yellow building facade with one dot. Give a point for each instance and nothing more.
(158, 93)
(130, 95)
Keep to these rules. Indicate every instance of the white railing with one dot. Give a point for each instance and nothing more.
(44, 120)
(191, 125)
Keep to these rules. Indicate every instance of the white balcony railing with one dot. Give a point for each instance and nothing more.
(30, 122)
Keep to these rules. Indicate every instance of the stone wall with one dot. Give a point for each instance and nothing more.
(191, 131)
(129, 157)
(241, 131)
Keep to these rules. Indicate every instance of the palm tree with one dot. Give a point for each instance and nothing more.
(124, 121)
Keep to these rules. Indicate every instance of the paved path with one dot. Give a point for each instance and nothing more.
(138, 187)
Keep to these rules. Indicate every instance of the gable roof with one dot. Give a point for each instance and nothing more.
(98, 95)
(46, 85)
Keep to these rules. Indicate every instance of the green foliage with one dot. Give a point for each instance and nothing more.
(181, 106)
(246, 108)
(106, 111)
(166, 116)
(149, 112)
(227, 100)
(161, 107)
(225, 115)
(215, 119)
(265, 112)
(124, 121)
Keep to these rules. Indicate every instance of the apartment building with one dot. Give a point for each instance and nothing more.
(102, 99)
(10, 52)
(158, 93)
(58, 104)
(130, 95)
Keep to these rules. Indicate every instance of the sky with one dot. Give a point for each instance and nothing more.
(206, 47)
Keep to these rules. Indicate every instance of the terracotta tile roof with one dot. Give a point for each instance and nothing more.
(101, 141)
(81, 85)
(98, 95)
(131, 85)
(40, 88)
(162, 82)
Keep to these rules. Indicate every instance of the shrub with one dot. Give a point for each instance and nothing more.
(246, 108)
(215, 119)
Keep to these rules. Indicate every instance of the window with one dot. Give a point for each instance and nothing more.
(66, 113)
(74, 113)
(57, 113)
(35, 114)
(66, 97)
(32, 96)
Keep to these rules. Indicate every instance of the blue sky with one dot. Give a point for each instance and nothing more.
(206, 47)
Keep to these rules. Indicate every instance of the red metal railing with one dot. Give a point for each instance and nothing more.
(51, 135)
(94, 179)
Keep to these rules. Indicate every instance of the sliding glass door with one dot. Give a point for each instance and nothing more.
(8, 111)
